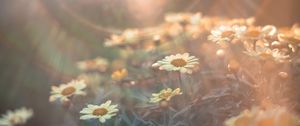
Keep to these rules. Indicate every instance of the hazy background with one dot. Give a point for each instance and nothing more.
(40, 40)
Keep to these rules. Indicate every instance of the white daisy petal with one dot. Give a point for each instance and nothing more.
(85, 117)
(102, 120)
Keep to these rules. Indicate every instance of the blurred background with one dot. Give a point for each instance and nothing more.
(41, 40)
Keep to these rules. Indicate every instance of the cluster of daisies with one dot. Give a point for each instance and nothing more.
(150, 38)
(267, 42)
(264, 43)
(176, 25)
(182, 63)
(65, 92)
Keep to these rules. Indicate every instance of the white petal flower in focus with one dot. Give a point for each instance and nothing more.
(64, 91)
(102, 112)
(183, 63)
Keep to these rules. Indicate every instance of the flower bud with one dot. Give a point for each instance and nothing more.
(164, 104)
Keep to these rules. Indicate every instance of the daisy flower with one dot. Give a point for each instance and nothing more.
(131, 35)
(65, 91)
(292, 40)
(183, 63)
(255, 33)
(269, 31)
(103, 112)
(195, 19)
(94, 64)
(165, 95)
(289, 38)
(119, 74)
(174, 29)
(17, 117)
(226, 33)
(114, 41)
(193, 31)
(267, 53)
(177, 18)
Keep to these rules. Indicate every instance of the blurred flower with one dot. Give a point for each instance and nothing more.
(64, 91)
(184, 18)
(267, 53)
(118, 64)
(226, 33)
(279, 45)
(255, 33)
(165, 95)
(119, 74)
(179, 62)
(94, 64)
(149, 45)
(296, 29)
(90, 79)
(174, 29)
(289, 38)
(154, 42)
(269, 31)
(103, 112)
(17, 117)
(292, 40)
(193, 31)
(241, 21)
(114, 40)
(131, 35)
(273, 116)
(195, 19)
(177, 18)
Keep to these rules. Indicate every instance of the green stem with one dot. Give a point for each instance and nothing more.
(180, 81)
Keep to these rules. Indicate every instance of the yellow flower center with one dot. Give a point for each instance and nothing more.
(119, 75)
(165, 95)
(227, 33)
(100, 111)
(178, 62)
(68, 91)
